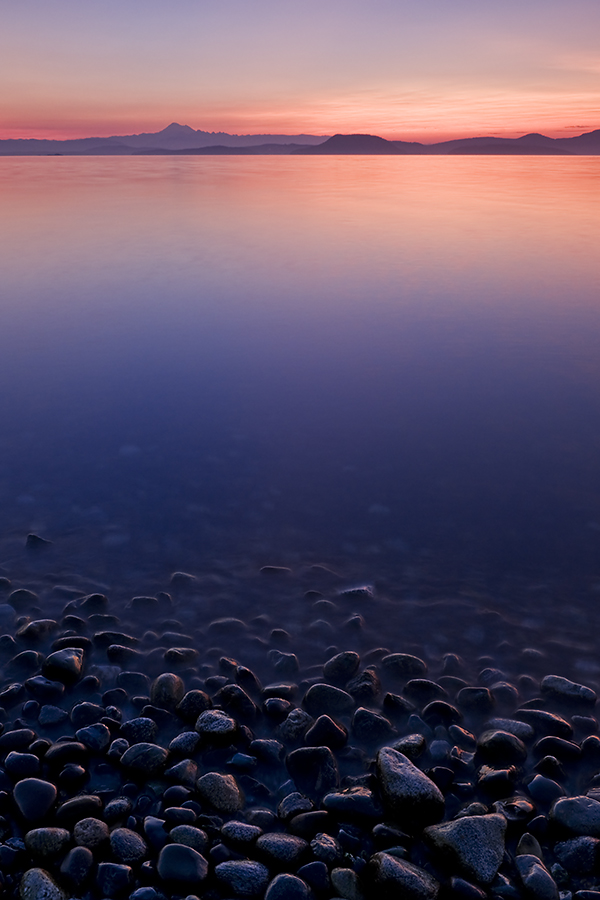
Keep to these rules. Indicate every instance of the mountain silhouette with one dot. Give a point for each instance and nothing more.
(181, 139)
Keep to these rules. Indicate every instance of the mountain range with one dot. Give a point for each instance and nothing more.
(183, 140)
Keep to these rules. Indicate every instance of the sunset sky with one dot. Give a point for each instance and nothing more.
(412, 69)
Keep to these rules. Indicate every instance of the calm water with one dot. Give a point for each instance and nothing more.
(388, 365)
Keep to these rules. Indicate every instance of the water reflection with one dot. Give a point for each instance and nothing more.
(377, 360)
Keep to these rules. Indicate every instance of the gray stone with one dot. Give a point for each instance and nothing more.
(65, 665)
(97, 737)
(325, 699)
(281, 850)
(397, 878)
(341, 667)
(221, 791)
(314, 770)
(475, 844)
(38, 884)
(181, 865)
(578, 855)
(407, 792)
(579, 815)
(347, 884)
(295, 726)
(354, 802)
(287, 887)
(140, 728)
(127, 846)
(77, 865)
(502, 747)
(190, 836)
(47, 843)
(35, 798)
(216, 726)
(145, 759)
(90, 833)
(167, 691)
(536, 879)
(520, 729)
(243, 877)
(559, 688)
(403, 665)
(240, 833)
(113, 879)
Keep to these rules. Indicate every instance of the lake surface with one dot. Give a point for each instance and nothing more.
(388, 366)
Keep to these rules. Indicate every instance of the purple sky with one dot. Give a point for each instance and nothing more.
(412, 69)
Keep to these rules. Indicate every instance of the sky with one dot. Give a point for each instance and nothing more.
(424, 70)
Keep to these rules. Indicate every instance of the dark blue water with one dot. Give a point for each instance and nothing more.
(386, 365)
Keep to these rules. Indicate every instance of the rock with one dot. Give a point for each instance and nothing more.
(76, 866)
(91, 833)
(347, 884)
(237, 703)
(190, 836)
(326, 733)
(502, 747)
(38, 884)
(243, 877)
(579, 855)
(403, 666)
(372, 728)
(167, 691)
(477, 700)
(341, 667)
(221, 792)
(287, 887)
(295, 726)
(365, 687)
(97, 737)
(475, 844)
(240, 833)
(47, 843)
(113, 879)
(314, 770)
(325, 699)
(354, 803)
(145, 760)
(407, 792)
(127, 846)
(281, 850)
(215, 726)
(569, 692)
(536, 878)
(80, 807)
(192, 704)
(397, 878)
(326, 848)
(181, 866)
(65, 665)
(139, 729)
(579, 815)
(35, 798)
(544, 722)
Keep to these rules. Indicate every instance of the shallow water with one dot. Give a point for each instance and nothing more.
(388, 366)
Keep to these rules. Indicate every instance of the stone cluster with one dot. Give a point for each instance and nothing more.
(132, 766)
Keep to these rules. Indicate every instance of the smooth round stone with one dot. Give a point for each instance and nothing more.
(145, 759)
(90, 833)
(244, 877)
(536, 878)
(181, 865)
(556, 687)
(221, 792)
(502, 747)
(403, 665)
(217, 726)
(22, 765)
(38, 884)
(35, 798)
(192, 704)
(342, 667)
(372, 728)
(47, 842)
(347, 884)
(287, 887)
(190, 836)
(167, 691)
(97, 737)
(544, 722)
(65, 665)
(281, 850)
(325, 699)
(314, 770)
(139, 729)
(579, 815)
(185, 744)
(236, 702)
(240, 833)
(80, 807)
(113, 879)
(579, 855)
(86, 713)
(183, 773)
(127, 846)
(77, 865)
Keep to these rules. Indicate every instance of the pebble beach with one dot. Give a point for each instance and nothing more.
(284, 734)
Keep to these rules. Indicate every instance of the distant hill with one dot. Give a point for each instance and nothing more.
(181, 139)
(527, 145)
